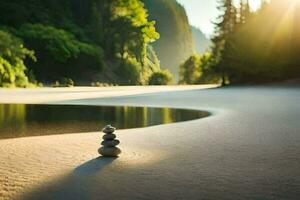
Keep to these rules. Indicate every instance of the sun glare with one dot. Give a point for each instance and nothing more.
(289, 2)
(255, 4)
(295, 1)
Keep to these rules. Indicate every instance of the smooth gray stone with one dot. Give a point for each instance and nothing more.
(109, 151)
(109, 137)
(108, 129)
(110, 143)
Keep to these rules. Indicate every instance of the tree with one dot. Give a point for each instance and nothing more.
(59, 53)
(208, 74)
(151, 65)
(223, 31)
(85, 40)
(95, 28)
(163, 77)
(12, 56)
(190, 71)
(132, 32)
(272, 54)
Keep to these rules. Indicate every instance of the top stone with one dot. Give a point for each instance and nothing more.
(108, 129)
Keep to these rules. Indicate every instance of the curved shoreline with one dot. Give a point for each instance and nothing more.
(22, 120)
(249, 149)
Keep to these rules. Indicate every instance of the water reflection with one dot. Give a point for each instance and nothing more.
(19, 120)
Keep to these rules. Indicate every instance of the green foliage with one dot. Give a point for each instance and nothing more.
(130, 71)
(83, 39)
(224, 28)
(176, 41)
(151, 64)
(60, 44)
(131, 30)
(66, 82)
(163, 77)
(197, 70)
(190, 70)
(63, 82)
(12, 56)
(209, 75)
(272, 55)
(58, 51)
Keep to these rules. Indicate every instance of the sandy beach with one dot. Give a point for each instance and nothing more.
(248, 149)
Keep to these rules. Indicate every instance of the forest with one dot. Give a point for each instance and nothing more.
(76, 42)
(149, 42)
(249, 47)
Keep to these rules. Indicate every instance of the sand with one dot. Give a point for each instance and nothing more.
(248, 149)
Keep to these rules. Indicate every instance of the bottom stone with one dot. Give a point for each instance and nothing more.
(109, 151)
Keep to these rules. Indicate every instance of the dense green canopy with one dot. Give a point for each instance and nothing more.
(85, 40)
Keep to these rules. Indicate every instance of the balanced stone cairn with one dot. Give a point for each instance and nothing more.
(109, 143)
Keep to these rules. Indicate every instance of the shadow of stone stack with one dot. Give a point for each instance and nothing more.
(109, 143)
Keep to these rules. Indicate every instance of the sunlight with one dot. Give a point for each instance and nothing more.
(255, 4)
(290, 3)
(294, 1)
(283, 14)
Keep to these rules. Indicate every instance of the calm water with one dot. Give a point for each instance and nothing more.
(19, 120)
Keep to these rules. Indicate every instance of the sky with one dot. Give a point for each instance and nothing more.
(202, 13)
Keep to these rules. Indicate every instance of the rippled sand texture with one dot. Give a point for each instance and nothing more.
(248, 149)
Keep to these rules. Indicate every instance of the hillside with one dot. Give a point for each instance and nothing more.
(81, 41)
(176, 41)
(202, 43)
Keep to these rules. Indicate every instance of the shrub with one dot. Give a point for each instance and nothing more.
(163, 77)
(63, 82)
(66, 82)
(56, 84)
(99, 84)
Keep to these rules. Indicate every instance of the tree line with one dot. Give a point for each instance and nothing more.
(81, 41)
(249, 47)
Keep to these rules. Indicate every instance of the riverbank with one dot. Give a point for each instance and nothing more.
(248, 149)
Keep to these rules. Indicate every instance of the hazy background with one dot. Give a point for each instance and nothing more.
(201, 13)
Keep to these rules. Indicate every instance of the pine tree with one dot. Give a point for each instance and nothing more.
(295, 46)
(244, 11)
(223, 31)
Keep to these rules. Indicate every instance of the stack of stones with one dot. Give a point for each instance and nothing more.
(109, 143)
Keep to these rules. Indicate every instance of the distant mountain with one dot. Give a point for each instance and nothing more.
(202, 43)
(176, 41)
